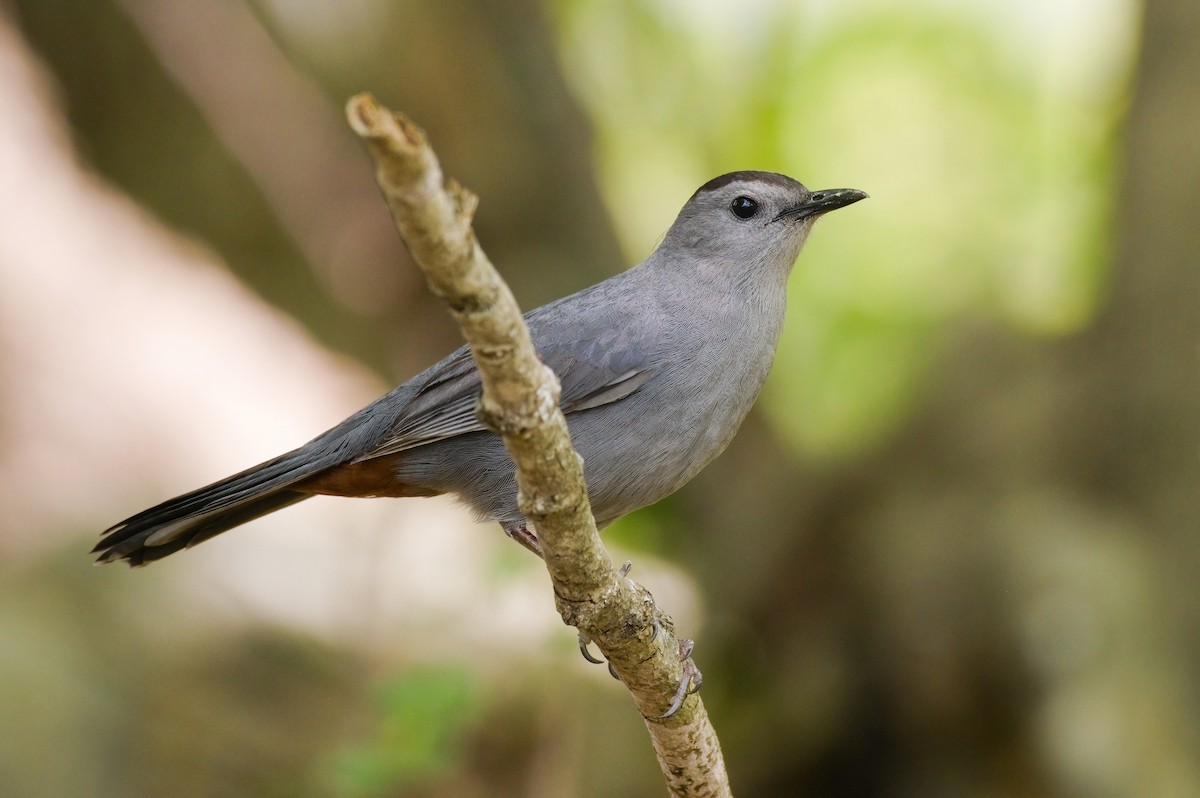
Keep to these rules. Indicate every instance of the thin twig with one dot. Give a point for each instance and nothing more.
(520, 403)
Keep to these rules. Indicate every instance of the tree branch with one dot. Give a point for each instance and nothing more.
(520, 403)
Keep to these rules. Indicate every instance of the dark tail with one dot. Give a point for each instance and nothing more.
(194, 517)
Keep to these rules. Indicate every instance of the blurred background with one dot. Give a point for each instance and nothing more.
(954, 550)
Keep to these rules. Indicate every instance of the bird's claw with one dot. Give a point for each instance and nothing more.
(517, 534)
(689, 685)
(692, 678)
(584, 648)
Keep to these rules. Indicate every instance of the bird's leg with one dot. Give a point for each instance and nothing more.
(519, 532)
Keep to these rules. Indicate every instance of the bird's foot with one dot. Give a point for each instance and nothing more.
(692, 679)
(520, 532)
(689, 684)
(585, 641)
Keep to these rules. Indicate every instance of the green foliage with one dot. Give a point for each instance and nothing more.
(424, 715)
(989, 179)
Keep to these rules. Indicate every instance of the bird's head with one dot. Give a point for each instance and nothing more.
(751, 219)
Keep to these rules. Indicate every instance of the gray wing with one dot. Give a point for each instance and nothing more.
(595, 367)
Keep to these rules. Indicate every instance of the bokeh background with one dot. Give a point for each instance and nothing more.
(953, 552)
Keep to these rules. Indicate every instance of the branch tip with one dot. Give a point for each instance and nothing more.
(361, 112)
(371, 120)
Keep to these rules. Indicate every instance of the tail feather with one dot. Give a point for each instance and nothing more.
(194, 517)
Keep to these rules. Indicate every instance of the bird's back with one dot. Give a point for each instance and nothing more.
(705, 359)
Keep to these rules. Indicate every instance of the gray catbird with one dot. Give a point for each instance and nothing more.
(659, 365)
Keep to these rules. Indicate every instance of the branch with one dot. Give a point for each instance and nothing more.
(520, 403)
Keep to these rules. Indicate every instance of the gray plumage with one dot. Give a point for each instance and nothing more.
(659, 366)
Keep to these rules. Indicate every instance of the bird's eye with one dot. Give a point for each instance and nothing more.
(743, 207)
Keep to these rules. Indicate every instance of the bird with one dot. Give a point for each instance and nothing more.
(659, 366)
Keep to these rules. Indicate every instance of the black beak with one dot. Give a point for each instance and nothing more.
(823, 201)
